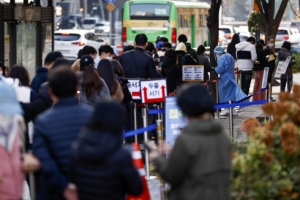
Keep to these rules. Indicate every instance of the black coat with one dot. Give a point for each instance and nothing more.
(137, 64)
(101, 168)
(261, 57)
(170, 71)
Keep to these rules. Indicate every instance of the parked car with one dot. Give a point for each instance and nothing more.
(69, 42)
(294, 39)
(228, 30)
(283, 34)
(102, 27)
(90, 22)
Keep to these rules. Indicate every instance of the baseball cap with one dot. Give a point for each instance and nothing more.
(86, 60)
(9, 103)
(159, 45)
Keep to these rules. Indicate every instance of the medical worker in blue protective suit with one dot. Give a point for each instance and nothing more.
(228, 88)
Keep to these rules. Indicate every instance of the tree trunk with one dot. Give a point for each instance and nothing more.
(213, 26)
(271, 22)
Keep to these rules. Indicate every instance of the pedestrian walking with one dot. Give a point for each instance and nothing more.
(199, 164)
(99, 167)
(54, 133)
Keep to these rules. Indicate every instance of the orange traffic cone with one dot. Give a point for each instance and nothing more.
(138, 163)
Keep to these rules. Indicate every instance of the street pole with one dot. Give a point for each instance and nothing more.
(102, 10)
(110, 22)
(85, 9)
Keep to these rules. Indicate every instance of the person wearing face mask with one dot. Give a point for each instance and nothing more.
(105, 52)
(271, 57)
(228, 88)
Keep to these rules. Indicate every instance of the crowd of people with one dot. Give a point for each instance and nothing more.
(80, 111)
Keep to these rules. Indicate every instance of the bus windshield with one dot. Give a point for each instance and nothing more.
(150, 11)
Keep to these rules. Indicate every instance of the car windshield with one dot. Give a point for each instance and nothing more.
(66, 37)
(282, 32)
(225, 30)
(89, 21)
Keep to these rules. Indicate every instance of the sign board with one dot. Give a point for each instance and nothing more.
(134, 88)
(174, 120)
(282, 67)
(153, 91)
(110, 7)
(193, 73)
(264, 82)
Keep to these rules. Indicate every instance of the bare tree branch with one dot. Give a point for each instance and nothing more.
(262, 13)
(271, 9)
(281, 10)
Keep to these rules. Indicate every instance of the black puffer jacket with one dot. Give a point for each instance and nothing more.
(282, 56)
(101, 168)
(261, 58)
(170, 71)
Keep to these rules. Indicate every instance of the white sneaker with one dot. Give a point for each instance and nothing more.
(224, 112)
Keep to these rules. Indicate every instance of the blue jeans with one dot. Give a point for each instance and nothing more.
(283, 84)
(246, 81)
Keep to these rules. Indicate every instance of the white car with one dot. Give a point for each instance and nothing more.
(295, 39)
(102, 27)
(90, 22)
(69, 42)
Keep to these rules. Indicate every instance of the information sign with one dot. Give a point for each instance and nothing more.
(134, 88)
(192, 73)
(264, 82)
(153, 91)
(282, 67)
(174, 120)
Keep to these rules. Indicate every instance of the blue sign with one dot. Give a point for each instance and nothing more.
(174, 120)
(110, 1)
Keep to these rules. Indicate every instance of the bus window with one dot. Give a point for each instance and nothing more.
(150, 11)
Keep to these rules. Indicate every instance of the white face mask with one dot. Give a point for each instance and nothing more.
(109, 58)
(1, 73)
(271, 45)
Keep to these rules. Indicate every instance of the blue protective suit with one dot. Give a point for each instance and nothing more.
(228, 88)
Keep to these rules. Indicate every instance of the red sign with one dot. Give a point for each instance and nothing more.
(153, 91)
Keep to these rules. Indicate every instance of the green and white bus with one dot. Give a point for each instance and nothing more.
(165, 18)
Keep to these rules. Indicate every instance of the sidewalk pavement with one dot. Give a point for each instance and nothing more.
(250, 111)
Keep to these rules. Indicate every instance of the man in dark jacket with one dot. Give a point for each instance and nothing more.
(192, 52)
(136, 63)
(42, 72)
(55, 131)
